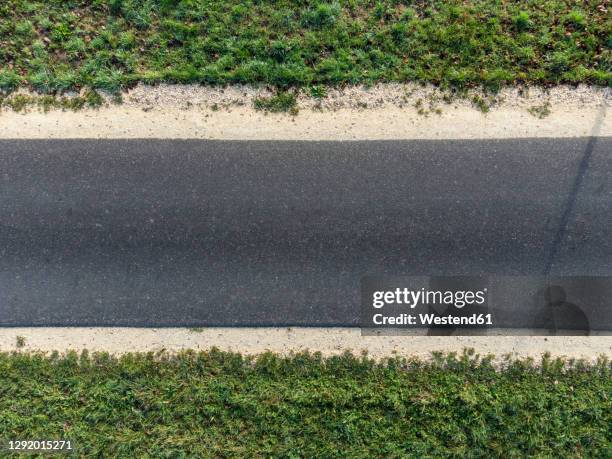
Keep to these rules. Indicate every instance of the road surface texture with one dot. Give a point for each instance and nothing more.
(206, 233)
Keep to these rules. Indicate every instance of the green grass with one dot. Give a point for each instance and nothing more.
(540, 111)
(22, 103)
(218, 404)
(283, 101)
(53, 45)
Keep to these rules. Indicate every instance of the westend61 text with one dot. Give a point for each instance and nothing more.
(432, 319)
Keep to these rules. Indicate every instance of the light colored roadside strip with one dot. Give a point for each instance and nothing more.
(242, 123)
(385, 111)
(328, 341)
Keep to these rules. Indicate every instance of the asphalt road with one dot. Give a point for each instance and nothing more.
(196, 233)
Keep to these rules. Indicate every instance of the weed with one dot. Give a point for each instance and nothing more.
(93, 99)
(21, 103)
(20, 342)
(73, 103)
(481, 103)
(61, 32)
(283, 101)
(47, 102)
(44, 23)
(127, 40)
(575, 19)
(24, 29)
(560, 62)
(109, 80)
(540, 111)
(322, 15)
(420, 107)
(18, 102)
(9, 80)
(75, 47)
(42, 81)
(521, 21)
(117, 99)
(318, 91)
(63, 81)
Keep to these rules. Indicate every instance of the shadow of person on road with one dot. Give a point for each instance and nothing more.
(560, 316)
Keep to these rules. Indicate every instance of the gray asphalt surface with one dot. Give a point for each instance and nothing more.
(200, 233)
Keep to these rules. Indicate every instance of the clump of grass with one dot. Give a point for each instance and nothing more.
(540, 111)
(46, 102)
(9, 80)
(575, 19)
(431, 107)
(18, 102)
(20, 342)
(419, 106)
(207, 404)
(322, 15)
(481, 103)
(93, 98)
(522, 21)
(318, 92)
(282, 101)
(24, 29)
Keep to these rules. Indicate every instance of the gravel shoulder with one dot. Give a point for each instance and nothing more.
(328, 341)
(389, 111)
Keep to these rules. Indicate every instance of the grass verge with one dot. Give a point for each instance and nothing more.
(217, 404)
(54, 46)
